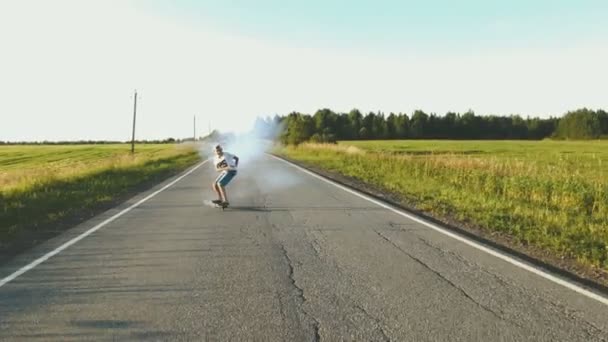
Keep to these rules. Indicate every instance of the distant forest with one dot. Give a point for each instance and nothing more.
(328, 126)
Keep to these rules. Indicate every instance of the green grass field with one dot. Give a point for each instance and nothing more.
(41, 185)
(551, 194)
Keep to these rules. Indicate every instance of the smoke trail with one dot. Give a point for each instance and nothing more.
(254, 163)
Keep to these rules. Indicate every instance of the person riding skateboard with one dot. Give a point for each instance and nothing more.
(226, 164)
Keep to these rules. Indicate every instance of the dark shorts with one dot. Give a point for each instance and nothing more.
(225, 177)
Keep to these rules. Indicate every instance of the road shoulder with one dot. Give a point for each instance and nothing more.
(570, 269)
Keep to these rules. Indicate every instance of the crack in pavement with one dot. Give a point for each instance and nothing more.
(314, 244)
(470, 264)
(510, 285)
(300, 294)
(378, 322)
(461, 290)
(281, 311)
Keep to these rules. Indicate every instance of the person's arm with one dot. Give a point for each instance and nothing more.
(221, 166)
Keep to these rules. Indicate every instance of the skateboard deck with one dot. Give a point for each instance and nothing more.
(213, 205)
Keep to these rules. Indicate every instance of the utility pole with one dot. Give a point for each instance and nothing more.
(134, 116)
(194, 136)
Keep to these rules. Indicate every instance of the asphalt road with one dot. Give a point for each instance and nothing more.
(294, 259)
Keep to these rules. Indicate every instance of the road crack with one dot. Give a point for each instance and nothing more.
(506, 284)
(468, 263)
(376, 320)
(281, 311)
(300, 294)
(448, 281)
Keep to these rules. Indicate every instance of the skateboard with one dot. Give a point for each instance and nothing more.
(215, 205)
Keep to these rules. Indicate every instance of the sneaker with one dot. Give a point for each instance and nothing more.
(216, 201)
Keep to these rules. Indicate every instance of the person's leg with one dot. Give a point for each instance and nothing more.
(216, 187)
(223, 182)
(222, 191)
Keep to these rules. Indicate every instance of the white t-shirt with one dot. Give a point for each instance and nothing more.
(226, 160)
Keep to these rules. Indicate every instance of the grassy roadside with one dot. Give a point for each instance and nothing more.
(43, 186)
(559, 205)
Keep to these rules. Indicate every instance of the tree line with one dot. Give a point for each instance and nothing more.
(328, 126)
(583, 124)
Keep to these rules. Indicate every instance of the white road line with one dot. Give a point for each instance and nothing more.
(471, 243)
(50, 254)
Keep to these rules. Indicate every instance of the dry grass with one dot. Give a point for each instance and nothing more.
(22, 167)
(41, 185)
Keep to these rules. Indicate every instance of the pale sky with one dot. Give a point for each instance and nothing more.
(68, 69)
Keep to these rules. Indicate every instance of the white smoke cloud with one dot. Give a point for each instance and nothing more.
(252, 149)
